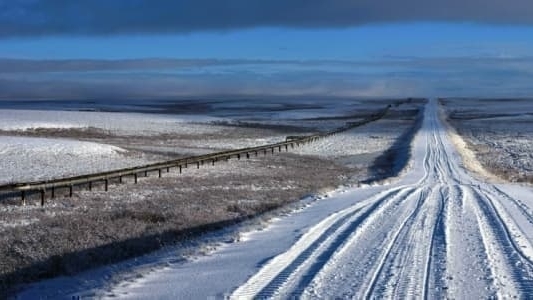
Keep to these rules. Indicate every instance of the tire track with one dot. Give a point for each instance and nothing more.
(467, 261)
(448, 235)
(518, 264)
(354, 265)
(322, 239)
(524, 209)
(395, 256)
(501, 252)
(437, 255)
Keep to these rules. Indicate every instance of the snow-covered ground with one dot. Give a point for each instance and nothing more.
(115, 123)
(30, 149)
(357, 147)
(500, 132)
(436, 232)
(25, 158)
(30, 159)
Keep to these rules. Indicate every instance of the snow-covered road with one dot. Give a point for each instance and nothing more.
(446, 235)
(436, 232)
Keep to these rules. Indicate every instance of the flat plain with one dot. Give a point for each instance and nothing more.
(433, 201)
(69, 235)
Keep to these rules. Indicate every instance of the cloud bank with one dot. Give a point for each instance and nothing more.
(172, 78)
(105, 17)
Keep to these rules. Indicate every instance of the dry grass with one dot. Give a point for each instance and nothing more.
(501, 141)
(72, 234)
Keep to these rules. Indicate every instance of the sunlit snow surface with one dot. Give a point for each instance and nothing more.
(117, 123)
(435, 232)
(34, 158)
(29, 159)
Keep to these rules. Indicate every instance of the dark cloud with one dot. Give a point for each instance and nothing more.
(100, 17)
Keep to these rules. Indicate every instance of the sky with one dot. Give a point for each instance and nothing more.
(145, 49)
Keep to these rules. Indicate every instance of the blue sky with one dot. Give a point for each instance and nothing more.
(421, 39)
(471, 53)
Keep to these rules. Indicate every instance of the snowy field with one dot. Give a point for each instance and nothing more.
(355, 148)
(31, 159)
(434, 232)
(500, 132)
(115, 123)
(47, 143)
(30, 150)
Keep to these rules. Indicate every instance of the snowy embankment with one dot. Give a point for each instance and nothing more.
(436, 232)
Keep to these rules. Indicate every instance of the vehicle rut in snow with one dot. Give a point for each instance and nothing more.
(445, 234)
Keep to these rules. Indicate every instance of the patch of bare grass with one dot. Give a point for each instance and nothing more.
(94, 228)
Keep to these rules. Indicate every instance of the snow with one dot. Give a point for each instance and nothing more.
(434, 232)
(33, 158)
(500, 132)
(367, 139)
(30, 159)
(117, 123)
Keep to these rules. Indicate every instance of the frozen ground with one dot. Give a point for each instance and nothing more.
(499, 132)
(37, 145)
(31, 159)
(46, 144)
(435, 232)
(94, 228)
(355, 148)
(114, 123)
